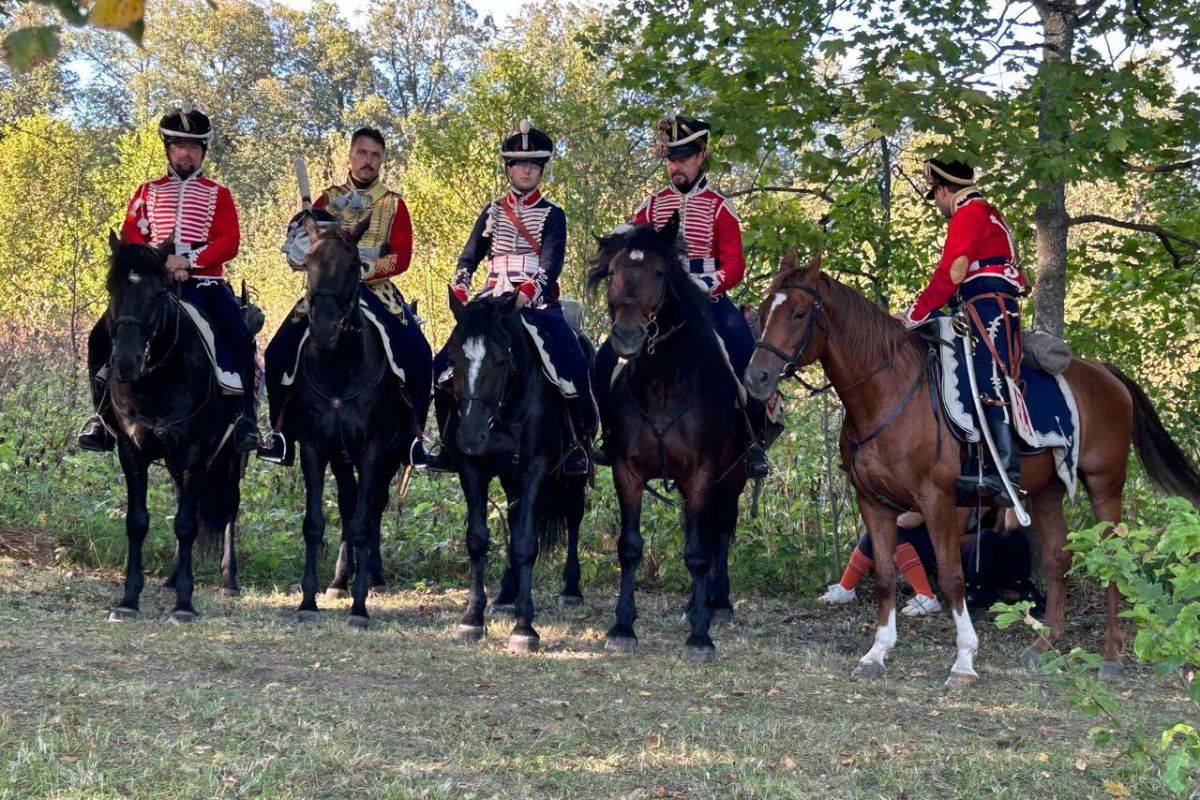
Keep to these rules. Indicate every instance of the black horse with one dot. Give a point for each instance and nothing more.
(348, 412)
(672, 413)
(510, 423)
(166, 404)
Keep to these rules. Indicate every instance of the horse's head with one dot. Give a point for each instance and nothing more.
(481, 348)
(794, 330)
(138, 288)
(642, 265)
(334, 272)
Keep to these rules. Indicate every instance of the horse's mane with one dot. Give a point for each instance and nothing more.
(863, 327)
(692, 300)
(485, 315)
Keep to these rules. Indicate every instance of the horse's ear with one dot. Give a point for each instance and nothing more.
(165, 248)
(509, 304)
(814, 268)
(311, 228)
(114, 241)
(670, 231)
(360, 231)
(788, 262)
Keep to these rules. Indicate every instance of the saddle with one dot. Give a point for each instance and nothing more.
(1044, 412)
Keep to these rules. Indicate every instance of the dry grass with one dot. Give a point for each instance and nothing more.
(246, 703)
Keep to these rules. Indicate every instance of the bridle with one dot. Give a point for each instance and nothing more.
(816, 317)
(654, 336)
(162, 297)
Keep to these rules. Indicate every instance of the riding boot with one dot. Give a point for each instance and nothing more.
(757, 464)
(245, 426)
(442, 459)
(970, 484)
(602, 456)
(576, 461)
(94, 435)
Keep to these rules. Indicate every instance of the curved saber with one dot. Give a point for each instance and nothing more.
(301, 168)
(1018, 509)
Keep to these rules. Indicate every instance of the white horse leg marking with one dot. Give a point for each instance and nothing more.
(967, 642)
(474, 349)
(885, 640)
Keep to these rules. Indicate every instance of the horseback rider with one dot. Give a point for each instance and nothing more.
(197, 215)
(979, 275)
(715, 258)
(523, 237)
(385, 251)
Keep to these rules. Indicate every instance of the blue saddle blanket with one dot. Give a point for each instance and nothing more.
(1044, 416)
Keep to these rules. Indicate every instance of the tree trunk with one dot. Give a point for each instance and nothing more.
(1058, 37)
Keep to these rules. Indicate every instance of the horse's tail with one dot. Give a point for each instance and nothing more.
(218, 501)
(556, 506)
(1164, 461)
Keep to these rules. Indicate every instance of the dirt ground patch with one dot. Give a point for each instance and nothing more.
(246, 703)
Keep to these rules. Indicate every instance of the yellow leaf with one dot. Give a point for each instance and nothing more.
(1115, 788)
(116, 14)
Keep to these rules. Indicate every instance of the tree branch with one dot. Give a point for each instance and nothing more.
(783, 189)
(1157, 168)
(1165, 236)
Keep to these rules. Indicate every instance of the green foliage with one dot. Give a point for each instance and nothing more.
(1156, 571)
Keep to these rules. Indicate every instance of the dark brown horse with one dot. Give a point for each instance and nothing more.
(673, 414)
(898, 451)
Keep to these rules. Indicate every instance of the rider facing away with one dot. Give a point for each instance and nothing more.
(522, 236)
(979, 276)
(385, 251)
(198, 217)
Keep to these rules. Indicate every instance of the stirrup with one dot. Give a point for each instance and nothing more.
(274, 448)
(94, 436)
(757, 463)
(576, 462)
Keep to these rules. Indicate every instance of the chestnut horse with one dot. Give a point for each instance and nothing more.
(899, 452)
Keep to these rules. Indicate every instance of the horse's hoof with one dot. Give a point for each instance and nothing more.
(306, 615)
(722, 615)
(355, 621)
(379, 588)
(183, 616)
(621, 644)
(336, 594)
(693, 656)
(121, 614)
(234, 592)
(502, 609)
(468, 633)
(961, 679)
(1031, 659)
(523, 643)
(866, 670)
(1112, 672)
(568, 600)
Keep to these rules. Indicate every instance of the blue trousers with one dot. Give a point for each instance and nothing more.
(405, 338)
(561, 344)
(993, 299)
(730, 326)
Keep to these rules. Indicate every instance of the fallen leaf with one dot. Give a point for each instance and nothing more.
(1043, 757)
(1080, 764)
(1115, 788)
(789, 762)
(652, 741)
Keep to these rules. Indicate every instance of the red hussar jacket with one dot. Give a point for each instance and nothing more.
(711, 227)
(979, 232)
(197, 214)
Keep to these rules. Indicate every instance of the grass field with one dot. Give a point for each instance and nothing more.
(246, 703)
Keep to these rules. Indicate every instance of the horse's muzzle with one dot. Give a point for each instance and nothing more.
(759, 381)
(627, 340)
(474, 429)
